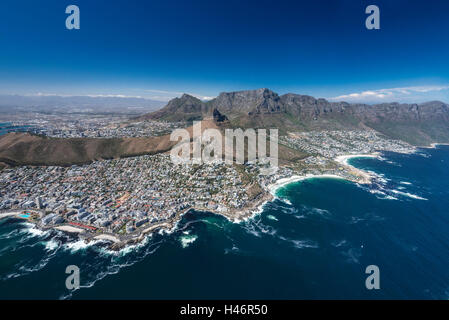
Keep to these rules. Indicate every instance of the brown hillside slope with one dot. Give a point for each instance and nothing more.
(27, 149)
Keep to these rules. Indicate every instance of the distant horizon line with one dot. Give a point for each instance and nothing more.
(362, 97)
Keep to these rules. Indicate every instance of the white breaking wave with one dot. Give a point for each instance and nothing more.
(264, 228)
(320, 211)
(10, 235)
(256, 228)
(51, 245)
(290, 210)
(80, 245)
(382, 195)
(410, 195)
(118, 260)
(339, 243)
(234, 249)
(111, 269)
(316, 211)
(33, 231)
(300, 244)
(379, 177)
(352, 255)
(390, 198)
(186, 240)
(31, 266)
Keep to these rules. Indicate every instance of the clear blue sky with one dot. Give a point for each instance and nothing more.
(157, 49)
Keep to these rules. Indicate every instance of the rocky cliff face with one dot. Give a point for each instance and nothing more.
(415, 123)
(261, 101)
(307, 107)
(265, 101)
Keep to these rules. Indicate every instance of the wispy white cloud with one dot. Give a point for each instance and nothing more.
(152, 94)
(44, 94)
(113, 96)
(164, 95)
(413, 93)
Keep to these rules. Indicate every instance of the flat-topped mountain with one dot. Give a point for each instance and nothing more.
(188, 108)
(415, 123)
(259, 101)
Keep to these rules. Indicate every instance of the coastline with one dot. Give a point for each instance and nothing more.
(366, 176)
(107, 237)
(342, 160)
(435, 144)
(273, 188)
(254, 208)
(251, 210)
(9, 214)
(345, 158)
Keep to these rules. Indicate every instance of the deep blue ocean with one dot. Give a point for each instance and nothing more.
(313, 242)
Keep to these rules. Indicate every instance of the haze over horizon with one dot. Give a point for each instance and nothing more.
(397, 95)
(160, 50)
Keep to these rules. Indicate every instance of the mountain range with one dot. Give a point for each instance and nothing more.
(418, 124)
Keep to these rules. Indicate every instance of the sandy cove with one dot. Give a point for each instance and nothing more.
(344, 159)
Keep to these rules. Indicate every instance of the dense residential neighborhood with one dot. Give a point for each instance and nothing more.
(124, 196)
(87, 125)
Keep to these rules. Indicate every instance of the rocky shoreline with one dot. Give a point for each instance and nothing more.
(239, 215)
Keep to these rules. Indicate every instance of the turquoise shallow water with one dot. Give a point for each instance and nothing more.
(314, 241)
(6, 127)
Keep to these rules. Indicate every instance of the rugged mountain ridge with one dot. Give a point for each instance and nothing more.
(418, 124)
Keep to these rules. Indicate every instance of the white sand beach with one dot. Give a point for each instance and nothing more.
(69, 229)
(340, 159)
(434, 145)
(285, 181)
(9, 214)
(344, 159)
